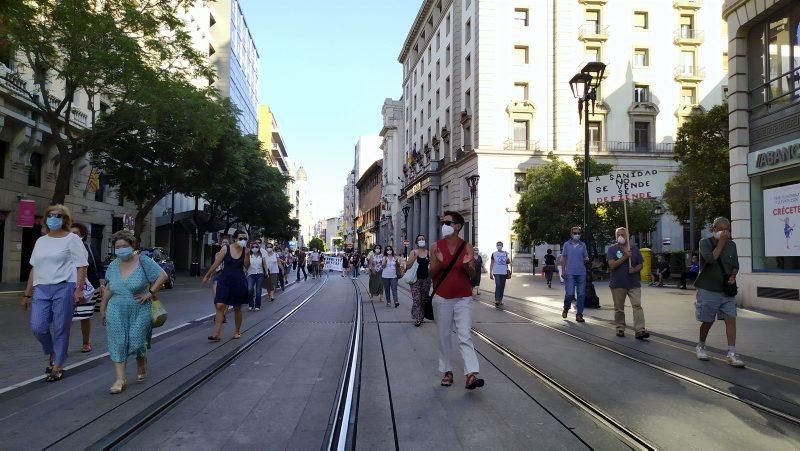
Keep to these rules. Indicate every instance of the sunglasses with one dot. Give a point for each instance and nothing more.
(449, 222)
(55, 215)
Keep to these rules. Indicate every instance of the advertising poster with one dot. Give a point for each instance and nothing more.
(781, 217)
(27, 213)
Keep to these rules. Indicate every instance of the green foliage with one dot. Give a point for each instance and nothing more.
(100, 50)
(316, 243)
(552, 203)
(704, 175)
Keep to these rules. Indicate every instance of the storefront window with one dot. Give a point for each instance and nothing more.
(775, 221)
(774, 49)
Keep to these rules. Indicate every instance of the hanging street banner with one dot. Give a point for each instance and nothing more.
(627, 185)
(26, 216)
(781, 217)
(332, 263)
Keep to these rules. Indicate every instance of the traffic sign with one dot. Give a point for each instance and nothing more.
(406, 243)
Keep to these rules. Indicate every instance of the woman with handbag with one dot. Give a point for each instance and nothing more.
(131, 284)
(501, 271)
(421, 288)
(94, 276)
(375, 263)
(392, 269)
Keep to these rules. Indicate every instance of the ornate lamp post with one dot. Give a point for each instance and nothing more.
(406, 209)
(472, 181)
(584, 87)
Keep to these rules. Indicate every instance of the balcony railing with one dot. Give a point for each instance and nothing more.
(627, 147)
(687, 36)
(688, 4)
(777, 93)
(12, 80)
(593, 31)
(689, 73)
(529, 145)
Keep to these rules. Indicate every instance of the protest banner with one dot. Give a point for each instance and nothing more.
(622, 186)
(332, 263)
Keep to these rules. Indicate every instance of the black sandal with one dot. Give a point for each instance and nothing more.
(55, 375)
(447, 380)
(213, 338)
(473, 382)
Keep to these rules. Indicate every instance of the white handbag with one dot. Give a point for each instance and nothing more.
(410, 277)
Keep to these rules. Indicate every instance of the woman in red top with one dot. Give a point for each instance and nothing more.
(452, 299)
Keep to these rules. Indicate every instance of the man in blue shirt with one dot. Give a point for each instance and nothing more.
(573, 260)
(691, 274)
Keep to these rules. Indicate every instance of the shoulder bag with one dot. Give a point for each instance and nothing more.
(410, 277)
(427, 306)
(158, 314)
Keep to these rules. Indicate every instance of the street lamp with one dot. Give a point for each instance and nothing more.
(584, 87)
(406, 209)
(472, 181)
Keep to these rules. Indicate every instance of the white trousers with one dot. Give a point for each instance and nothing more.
(455, 314)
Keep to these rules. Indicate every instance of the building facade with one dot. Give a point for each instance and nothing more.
(349, 211)
(764, 106)
(369, 188)
(333, 241)
(393, 134)
(305, 210)
(272, 140)
(485, 91)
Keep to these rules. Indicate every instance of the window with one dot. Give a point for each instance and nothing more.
(447, 25)
(447, 117)
(429, 109)
(641, 58)
(640, 21)
(35, 170)
(438, 69)
(592, 20)
(437, 99)
(415, 101)
(591, 54)
(447, 56)
(467, 66)
(641, 136)
(725, 61)
(430, 81)
(521, 134)
(438, 40)
(520, 91)
(519, 182)
(447, 87)
(422, 91)
(415, 77)
(687, 62)
(687, 26)
(103, 107)
(3, 156)
(641, 93)
(437, 125)
(468, 100)
(595, 135)
(688, 96)
(520, 54)
(521, 17)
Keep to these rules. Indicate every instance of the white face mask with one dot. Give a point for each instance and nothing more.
(243, 243)
(718, 234)
(447, 230)
(576, 237)
(269, 249)
(421, 243)
(621, 239)
(499, 247)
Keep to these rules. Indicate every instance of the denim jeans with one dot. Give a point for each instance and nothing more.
(355, 270)
(390, 289)
(499, 287)
(575, 282)
(255, 282)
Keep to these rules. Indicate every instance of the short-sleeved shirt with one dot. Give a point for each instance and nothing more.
(620, 277)
(500, 262)
(314, 256)
(575, 255)
(54, 259)
(549, 259)
(272, 263)
(710, 276)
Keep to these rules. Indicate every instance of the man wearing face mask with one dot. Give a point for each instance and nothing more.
(451, 268)
(573, 260)
(716, 288)
(500, 271)
(625, 262)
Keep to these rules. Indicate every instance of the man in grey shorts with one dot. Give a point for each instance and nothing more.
(712, 302)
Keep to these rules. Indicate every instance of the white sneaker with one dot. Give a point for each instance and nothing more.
(733, 360)
(257, 309)
(701, 352)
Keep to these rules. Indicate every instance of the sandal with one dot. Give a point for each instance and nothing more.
(213, 338)
(447, 380)
(141, 373)
(87, 347)
(473, 382)
(237, 336)
(117, 387)
(55, 375)
(417, 323)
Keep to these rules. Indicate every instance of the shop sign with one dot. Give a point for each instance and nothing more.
(27, 213)
(781, 217)
(774, 157)
(627, 185)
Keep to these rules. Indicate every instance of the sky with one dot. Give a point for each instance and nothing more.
(326, 68)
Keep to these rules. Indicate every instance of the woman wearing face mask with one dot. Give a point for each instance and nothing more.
(255, 276)
(422, 287)
(49, 292)
(132, 281)
(375, 269)
(273, 271)
(94, 276)
(391, 271)
(232, 283)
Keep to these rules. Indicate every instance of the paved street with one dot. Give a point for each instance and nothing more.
(280, 391)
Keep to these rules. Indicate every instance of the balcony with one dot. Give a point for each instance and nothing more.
(526, 145)
(464, 151)
(593, 32)
(624, 147)
(688, 36)
(592, 2)
(687, 4)
(689, 73)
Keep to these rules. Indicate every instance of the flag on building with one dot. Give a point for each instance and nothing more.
(93, 183)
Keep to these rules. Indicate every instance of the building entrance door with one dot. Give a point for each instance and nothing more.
(29, 237)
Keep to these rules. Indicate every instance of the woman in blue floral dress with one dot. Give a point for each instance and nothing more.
(131, 283)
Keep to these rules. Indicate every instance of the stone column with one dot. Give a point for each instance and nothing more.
(424, 215)
(433, 215)
(417, 217)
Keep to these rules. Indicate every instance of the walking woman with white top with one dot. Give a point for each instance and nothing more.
(392, 269)
(420, 290)
(375, 263)
(49, 292)
(273, 271)
(255, 276)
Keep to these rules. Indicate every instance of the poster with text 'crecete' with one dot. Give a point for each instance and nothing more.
(781, 217)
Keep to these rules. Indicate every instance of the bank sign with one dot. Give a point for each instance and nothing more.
(781, 218)
(774, 157)
(627, 185)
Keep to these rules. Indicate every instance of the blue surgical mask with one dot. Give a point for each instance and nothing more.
(576, 237)
(124, 252)
(54, 223)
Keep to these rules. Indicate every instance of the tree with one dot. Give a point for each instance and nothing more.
(704, 175)
(316, 243)
(100, 51)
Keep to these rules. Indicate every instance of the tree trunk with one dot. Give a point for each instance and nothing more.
(141, 215)
(63, 178)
